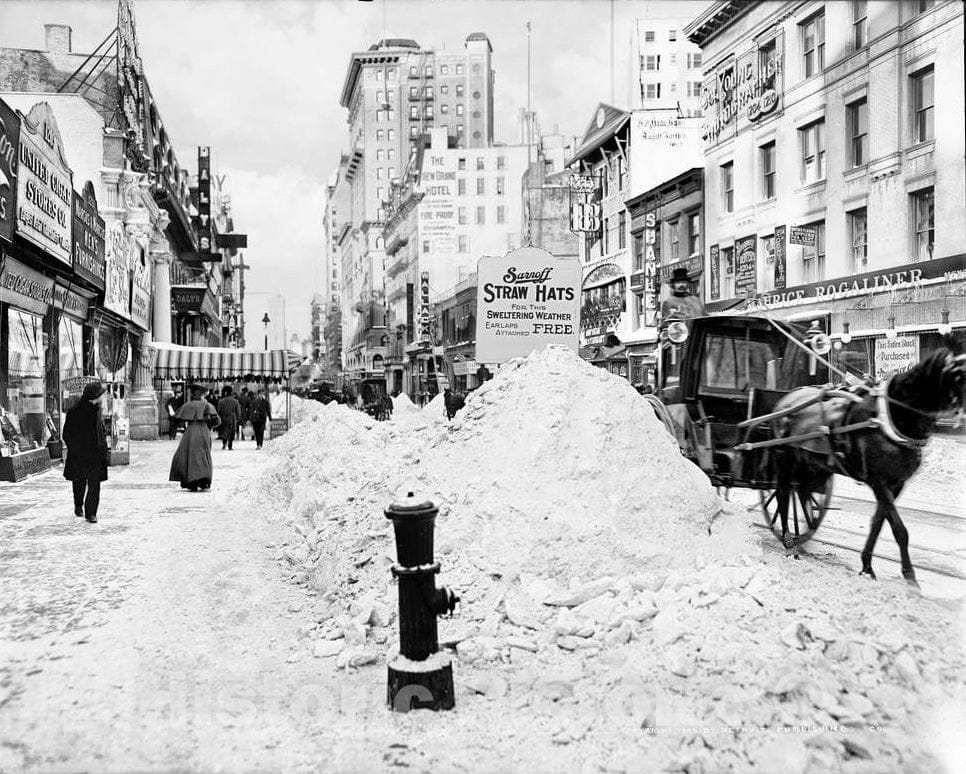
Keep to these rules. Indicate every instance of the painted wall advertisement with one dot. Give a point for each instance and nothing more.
(88, 237)
(45, 185)
(117, 284)
(526, 300)
(140, 271)
(714, 269)
(665, 145)
(781, 279)
(746, 266)
(893, 356)
(437, 210)
(9, 144)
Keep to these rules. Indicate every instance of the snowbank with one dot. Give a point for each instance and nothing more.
(403, 404)
(597, 568)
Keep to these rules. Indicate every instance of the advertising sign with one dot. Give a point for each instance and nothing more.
(746, 266)
(425, 315)
(9, 148)
(25, 287)
(187, 299)
(88, 237)
(781, 278)
(526, 300)
(130, 81)
(44, 186)
(73, 304)
(665, 144)
(714, 269)
(651, 251)
(585, 204)
(140, 271)
(801, 235)
(893, 356)
(743, 90)
(204, 199)
(117, 283)
(437, 210)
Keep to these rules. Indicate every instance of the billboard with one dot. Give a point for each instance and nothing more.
(526, 300)
(9, 148)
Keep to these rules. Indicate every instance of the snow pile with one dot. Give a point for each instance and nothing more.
(943, 464)
(403, 404)
(304, 410)
(437, 405)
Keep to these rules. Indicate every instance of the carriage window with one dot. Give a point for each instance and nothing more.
(738, 364)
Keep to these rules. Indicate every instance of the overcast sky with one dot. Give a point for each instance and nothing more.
(259, 81)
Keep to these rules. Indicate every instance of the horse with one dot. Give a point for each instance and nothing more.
(453, 402)
(883, 430)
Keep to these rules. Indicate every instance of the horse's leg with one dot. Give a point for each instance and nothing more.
(874, 526)
(901, 534)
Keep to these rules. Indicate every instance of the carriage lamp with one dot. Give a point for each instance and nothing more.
(846, 336)
(420, 677)
(677, 332)
(944, 327)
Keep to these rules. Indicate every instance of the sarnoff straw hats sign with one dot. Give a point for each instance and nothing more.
(524, 301)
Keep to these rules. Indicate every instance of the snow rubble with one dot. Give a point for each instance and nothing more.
(607, 595)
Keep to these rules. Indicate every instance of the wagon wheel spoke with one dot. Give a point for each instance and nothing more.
(795, 512)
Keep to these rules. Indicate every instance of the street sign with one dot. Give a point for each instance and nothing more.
(802, 235)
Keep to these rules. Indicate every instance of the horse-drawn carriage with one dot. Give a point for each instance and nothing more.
(755, 404)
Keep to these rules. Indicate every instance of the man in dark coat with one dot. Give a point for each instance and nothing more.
(174, 403)
(245, 401)
(86, 440)
(229, 411)
(261, 412)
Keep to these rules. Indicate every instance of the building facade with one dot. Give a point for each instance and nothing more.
(815, 210)
(666, 67)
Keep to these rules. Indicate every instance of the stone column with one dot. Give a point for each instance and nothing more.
(144, 399)
(162, 258)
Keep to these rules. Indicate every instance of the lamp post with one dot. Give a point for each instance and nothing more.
(265, 322)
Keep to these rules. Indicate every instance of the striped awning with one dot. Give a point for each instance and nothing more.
(176, 362)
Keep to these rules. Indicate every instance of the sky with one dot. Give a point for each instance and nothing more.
(259, 81)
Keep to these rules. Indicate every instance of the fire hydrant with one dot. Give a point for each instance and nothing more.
(420, 677)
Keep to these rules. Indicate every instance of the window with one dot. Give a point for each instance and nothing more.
(812, 139)
(443, 70)
(459, 89)
(444, 89)
(461, 187)
(391, 154)
(858, 237)
(813, 44)
(767, 60)
(380, 115)
(379, 173)
(480, 186)
(652, 62)
(674, 230)
(766, 155)
(694, 61)
(694, 233)
(924, 222)
(461, 216)
(500, 162)
(924, 5)
(923, 95)
(813, 257)
(459, 130)
(413, 71)
(860, 22)
(672, 35)
(461, 163)
(428, 72)
(444, 109)
(694, 88)
(380, 153)
(391, 135)
(606, 232)
(500, 186)
(381, 194)
(621, 173)
(428, 112)
(464, 243)
(648, 36)
(728, 186)
(413, 92)
(380, 97)
(481, 216)
(413, 132)
(652, 91)
(857, 121)
(459, 109)
(501, 214)
(622, 230)
(414, 111)
(428, 92)
(480, 164)
(392, 173)
(380, 135)
(459, 69)
(425, 246)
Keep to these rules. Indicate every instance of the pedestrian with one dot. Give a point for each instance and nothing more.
(261, 412)
(172, 405)
(229, 412)
(682, 304)
(86, 440)
(191, 464)
(245, 401)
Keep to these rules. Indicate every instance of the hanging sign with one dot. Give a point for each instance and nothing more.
(714, 264)
(9, 149)
(526, 300)
(780, 265)
(424, 311)
(585, 204)
(651, 253)
(44, 186)
(25, 288)
(746, 266)
(893, 356)
(204, 199)
(88, 249)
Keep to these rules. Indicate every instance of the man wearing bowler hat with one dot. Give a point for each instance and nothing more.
(86, 440)
(682, 304)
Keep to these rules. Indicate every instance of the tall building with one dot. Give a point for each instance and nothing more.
(395, 92)
(814, 207)
(665, 66)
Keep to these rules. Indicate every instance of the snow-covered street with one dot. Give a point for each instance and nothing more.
(601, 627)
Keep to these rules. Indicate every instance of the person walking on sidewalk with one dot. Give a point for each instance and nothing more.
(245, 401)
(174, 403)
(261, 412)
(86, 440)
(229, 411)
(191, 464)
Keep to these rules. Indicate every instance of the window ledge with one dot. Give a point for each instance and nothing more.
(920, 149)
(856, 172)
(769, 202)
(812, 188)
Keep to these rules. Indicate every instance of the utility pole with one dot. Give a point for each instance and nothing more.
(612, 60)
(529, 117)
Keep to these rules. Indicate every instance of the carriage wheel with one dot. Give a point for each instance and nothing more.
(805, 508)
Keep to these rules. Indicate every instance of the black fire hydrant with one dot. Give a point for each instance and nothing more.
(420, 677)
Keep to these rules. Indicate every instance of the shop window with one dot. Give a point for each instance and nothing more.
(23, 421)
(923, 114)
(813, 257)
(858, 238)
(766, 155)
(924, 224)
(860, 24)
(857, 121)
(856, 357)
(813, 44)
(728, 187)
(812, 140)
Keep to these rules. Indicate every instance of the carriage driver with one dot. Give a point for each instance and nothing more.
(682, 304)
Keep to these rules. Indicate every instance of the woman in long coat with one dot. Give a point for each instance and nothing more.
(86, 441)
(191, 464)
(229, 411)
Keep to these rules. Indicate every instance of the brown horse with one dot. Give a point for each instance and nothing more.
(891, 424)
